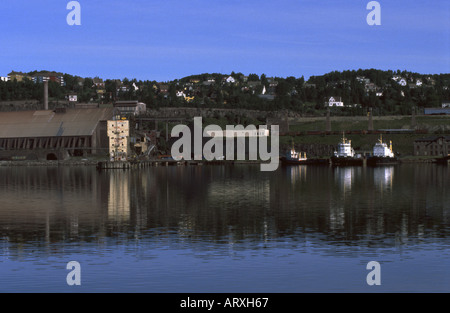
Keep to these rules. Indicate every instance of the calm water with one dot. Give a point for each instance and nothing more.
(225, 229)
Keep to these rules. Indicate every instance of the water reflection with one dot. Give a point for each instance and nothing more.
(383, 176)
(351, 206)
(119, 197)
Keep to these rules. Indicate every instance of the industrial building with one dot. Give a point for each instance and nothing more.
(130, 107)
(118, 131)
(432, 146)
(54, 134)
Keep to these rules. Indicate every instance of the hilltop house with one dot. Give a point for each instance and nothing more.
(334, 102)
(98, 82)
(230, 80)
(41, 77)
(19, 76)
(163, 88)
(402, 82)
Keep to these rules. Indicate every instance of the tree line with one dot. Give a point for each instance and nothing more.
(358, 89)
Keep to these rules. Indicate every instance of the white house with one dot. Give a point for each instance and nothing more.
(334, 102)
(446, 104)
(402, 82)
(230, 79)
(72, 97)
(181, 94)
(4, 79)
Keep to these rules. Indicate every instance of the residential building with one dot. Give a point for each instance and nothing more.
(371, 87)
(253, 84)
(101, 93)
(72, 97)
(43, 76)
(163, 88)
(363, 80)
(230, 80)
(181, 94)
(402, 82)
(99, 83)
(334, 102)
(210, 81)
(19, 76)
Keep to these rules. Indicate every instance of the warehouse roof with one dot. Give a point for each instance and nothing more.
(47, 123)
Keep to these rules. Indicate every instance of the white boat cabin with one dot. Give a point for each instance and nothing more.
(344, 149)
(297, 156)
(381, 149)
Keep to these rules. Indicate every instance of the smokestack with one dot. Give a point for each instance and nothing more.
(45, 95)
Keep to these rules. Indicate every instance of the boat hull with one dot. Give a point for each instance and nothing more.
(286, 161)
(376, 161)
(346, 161)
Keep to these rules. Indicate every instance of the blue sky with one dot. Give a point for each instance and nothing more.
(168, 39)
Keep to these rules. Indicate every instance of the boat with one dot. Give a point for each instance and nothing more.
(294, 157)
(345, 154)
(382, 154)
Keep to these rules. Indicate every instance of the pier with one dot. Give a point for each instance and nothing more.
(125, 165)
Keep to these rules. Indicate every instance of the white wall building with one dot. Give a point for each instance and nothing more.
(119, 139)
(402, 82)
(230, 79)
(335, 102)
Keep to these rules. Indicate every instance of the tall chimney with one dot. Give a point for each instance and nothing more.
(45, 95)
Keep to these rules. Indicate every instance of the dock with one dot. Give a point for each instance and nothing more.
(125, 165)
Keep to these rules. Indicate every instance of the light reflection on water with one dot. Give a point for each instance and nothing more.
(225, 228)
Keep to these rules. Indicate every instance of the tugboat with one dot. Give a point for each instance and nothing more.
(382, 154)
(345, 155)
(293, 157)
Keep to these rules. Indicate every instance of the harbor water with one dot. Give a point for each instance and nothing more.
(228, 228)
